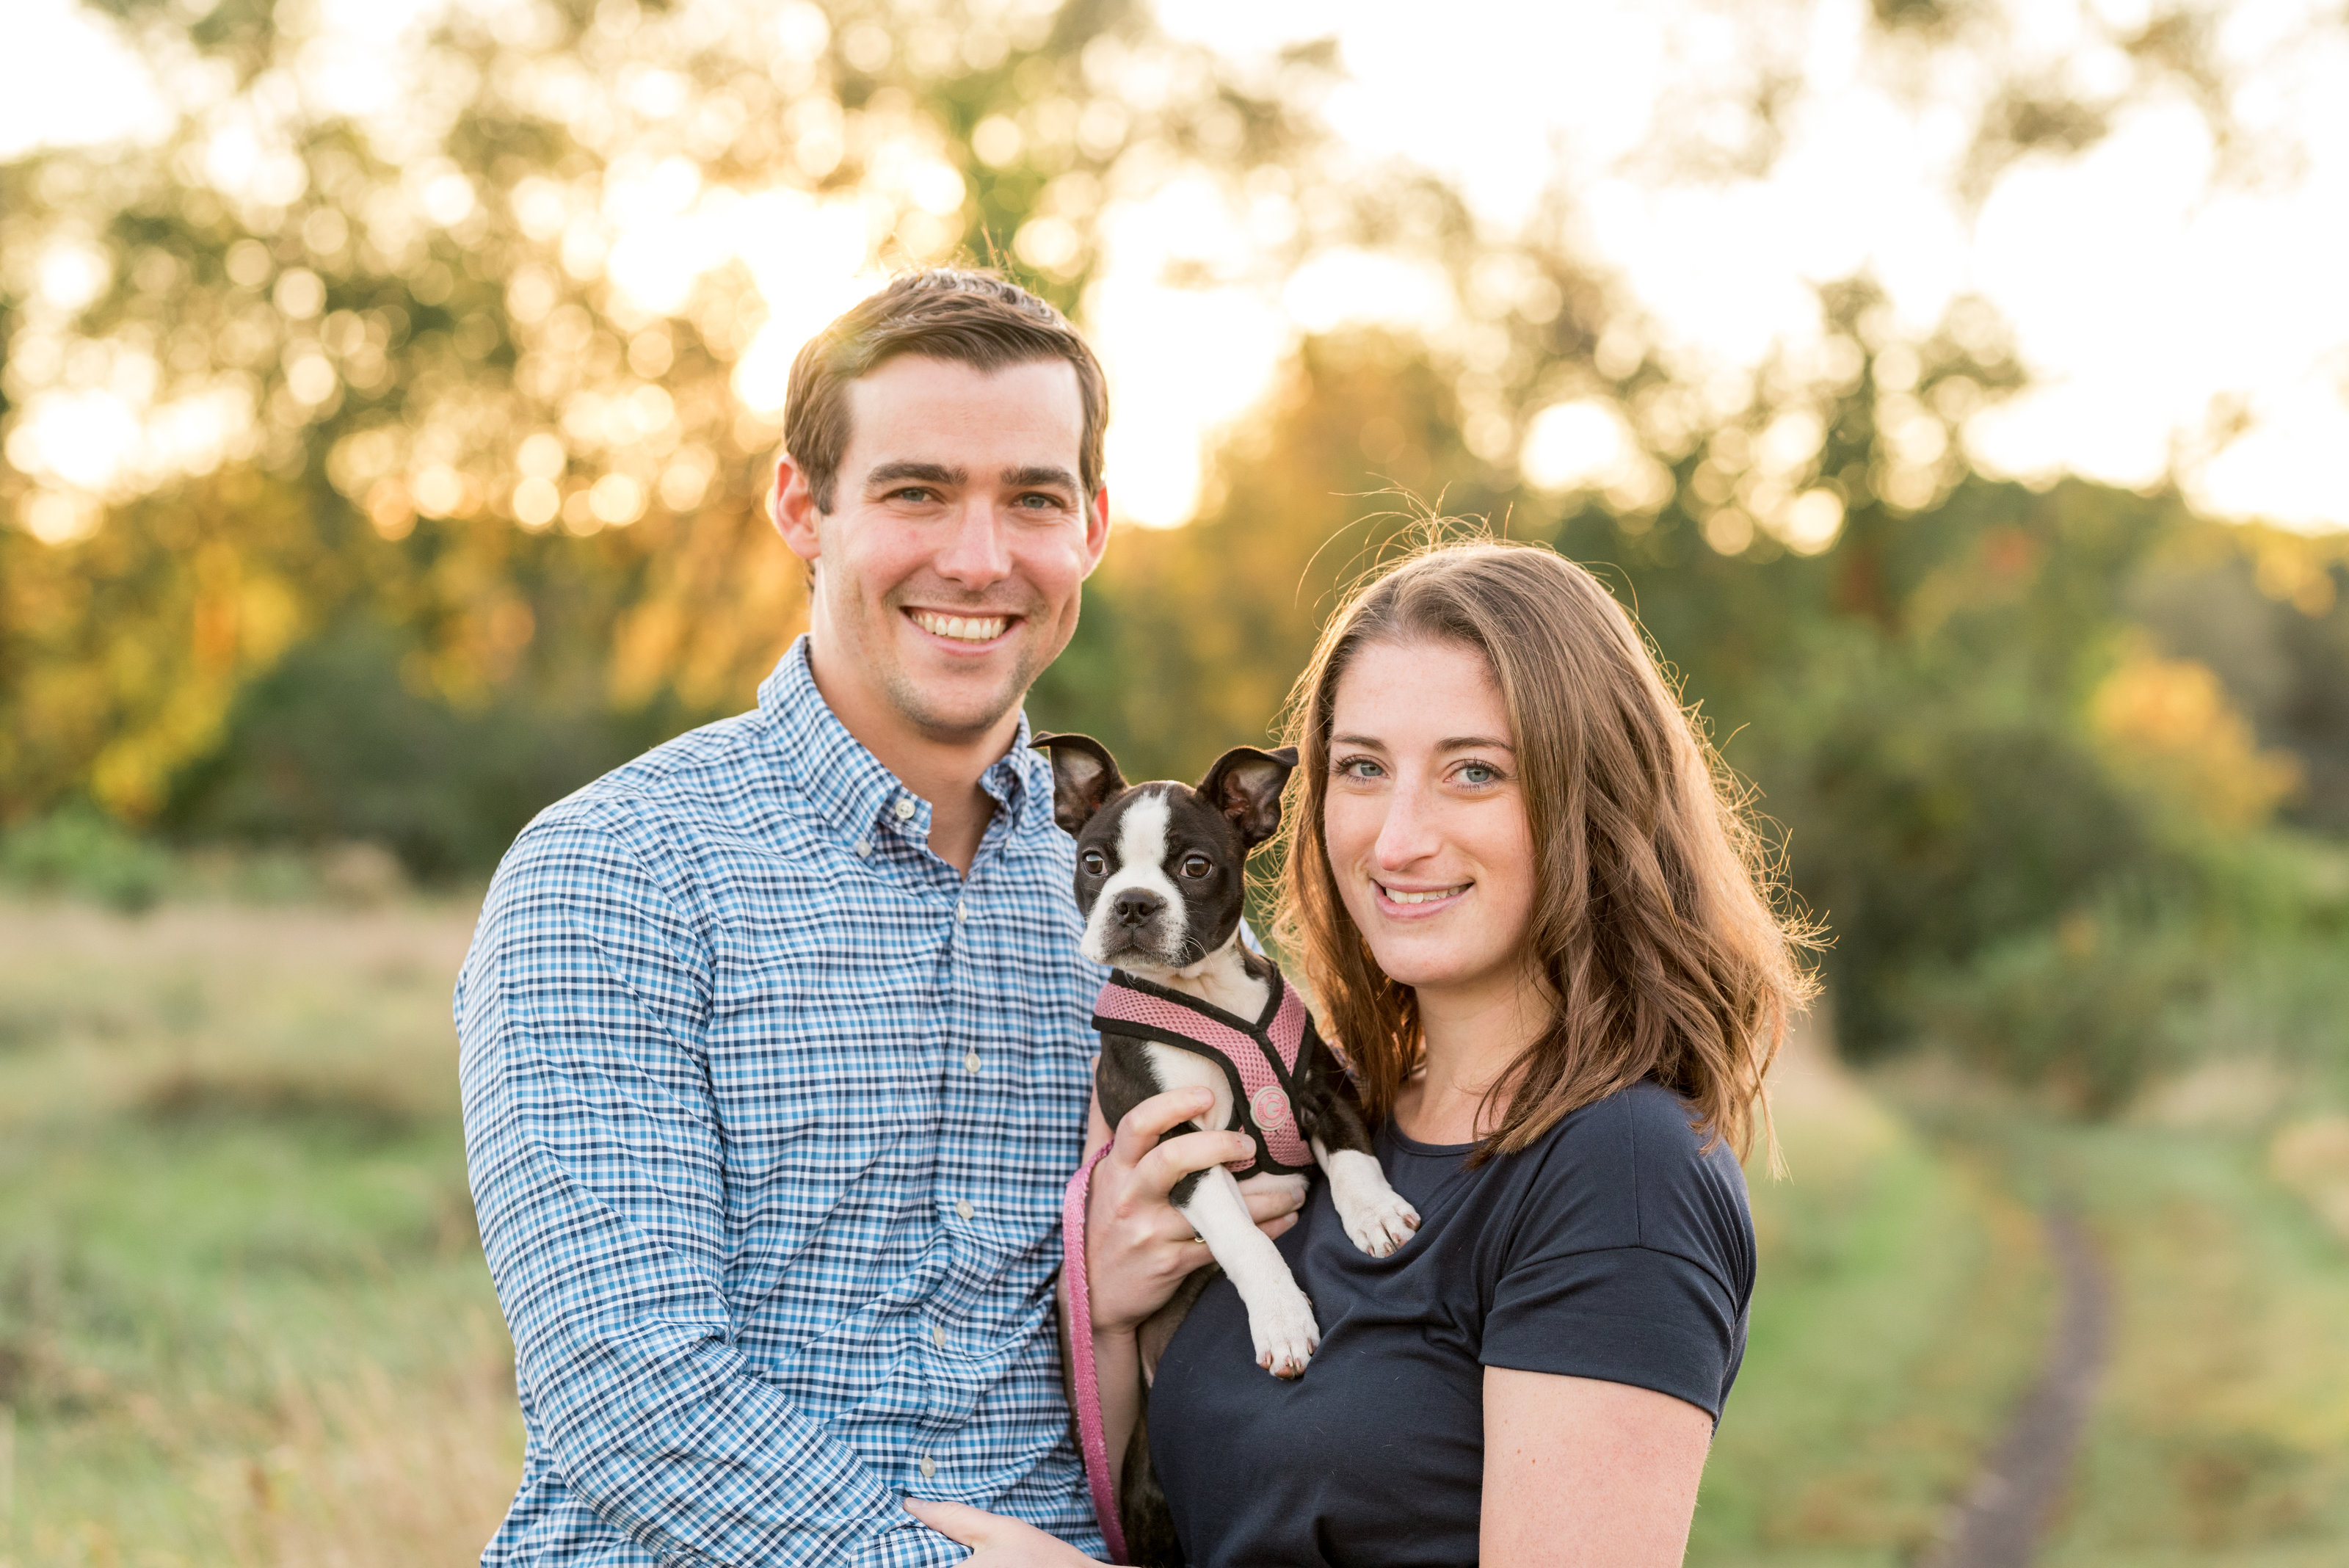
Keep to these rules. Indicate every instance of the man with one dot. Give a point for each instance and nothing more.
(775, 1041)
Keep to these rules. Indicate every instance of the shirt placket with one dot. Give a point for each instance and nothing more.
(949, 1384)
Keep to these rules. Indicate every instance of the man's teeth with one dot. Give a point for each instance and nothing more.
(962, 628)
(1436, 897)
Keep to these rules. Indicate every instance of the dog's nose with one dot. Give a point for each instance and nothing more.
(1135, 907)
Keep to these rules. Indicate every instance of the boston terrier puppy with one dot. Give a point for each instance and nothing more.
(1161, 880)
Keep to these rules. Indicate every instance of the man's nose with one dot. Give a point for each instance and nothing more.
(1136, 906)
(973, 553)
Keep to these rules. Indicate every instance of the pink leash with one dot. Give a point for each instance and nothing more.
(1090, 1437)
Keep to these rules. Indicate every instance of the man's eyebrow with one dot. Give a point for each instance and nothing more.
(933, 472)
(1043, 475)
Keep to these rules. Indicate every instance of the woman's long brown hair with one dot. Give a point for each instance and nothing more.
(1659, 932)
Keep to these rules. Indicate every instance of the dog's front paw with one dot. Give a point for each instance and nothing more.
(1285, 1336)
(1381, 1224)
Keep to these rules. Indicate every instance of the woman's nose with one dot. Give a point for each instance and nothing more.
(1409, 833)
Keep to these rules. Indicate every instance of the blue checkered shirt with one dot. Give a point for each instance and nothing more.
(768, 1113)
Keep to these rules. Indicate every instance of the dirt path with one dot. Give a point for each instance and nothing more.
(2000, 1522)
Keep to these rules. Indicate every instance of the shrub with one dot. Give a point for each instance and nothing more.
(79, 850)
(2090, 1006)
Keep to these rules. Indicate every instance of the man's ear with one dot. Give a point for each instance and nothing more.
(795, 512)
(1244, 784)
(1097, 530)
(1083, 775)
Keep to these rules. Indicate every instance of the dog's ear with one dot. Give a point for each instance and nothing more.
(1083, 775)
(1244, 784)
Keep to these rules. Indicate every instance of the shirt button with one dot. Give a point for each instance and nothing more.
(929, 1467)
(961, 912)
(863, 847)
(970, 1062)
(964, 1209)
(904, 806)
(939, 1336)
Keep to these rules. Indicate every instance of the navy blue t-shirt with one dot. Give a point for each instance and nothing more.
(1616, 1247)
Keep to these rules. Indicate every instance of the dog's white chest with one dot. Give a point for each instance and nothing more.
(1176, 1068)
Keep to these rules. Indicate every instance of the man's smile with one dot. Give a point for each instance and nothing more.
(970, 630)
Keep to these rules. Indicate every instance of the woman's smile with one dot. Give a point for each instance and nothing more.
(1412, 903)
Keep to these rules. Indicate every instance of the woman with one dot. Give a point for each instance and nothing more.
(1531, 911)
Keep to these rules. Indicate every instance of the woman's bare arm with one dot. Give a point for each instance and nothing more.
(1580, 1473)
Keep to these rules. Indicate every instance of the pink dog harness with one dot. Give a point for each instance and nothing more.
(1262, 1059)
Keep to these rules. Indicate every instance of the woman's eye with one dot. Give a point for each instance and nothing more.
(1094, 864)
(1196, 865)
(1359, 768)
(1478, 774)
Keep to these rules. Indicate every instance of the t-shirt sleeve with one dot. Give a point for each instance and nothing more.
(1649, 1289)
(1625, 1315)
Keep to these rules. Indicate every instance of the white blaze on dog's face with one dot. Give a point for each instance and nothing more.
(1158, 875)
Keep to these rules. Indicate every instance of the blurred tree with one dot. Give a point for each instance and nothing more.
(386, 441)
(499, 358)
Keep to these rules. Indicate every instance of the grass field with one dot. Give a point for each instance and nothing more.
(243, 1315)
(244, 1320)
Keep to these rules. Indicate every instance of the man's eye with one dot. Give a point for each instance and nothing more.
(910, 493)
(1197, 865)
(1095, 864)
(1039, 503)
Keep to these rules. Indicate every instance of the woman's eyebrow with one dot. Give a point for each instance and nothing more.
(1470, 742)
(1358, 741)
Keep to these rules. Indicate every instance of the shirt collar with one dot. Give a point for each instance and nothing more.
(848, 785)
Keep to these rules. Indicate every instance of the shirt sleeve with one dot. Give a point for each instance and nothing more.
(1624, 1314)
(1631, 1262)
(598, 1174)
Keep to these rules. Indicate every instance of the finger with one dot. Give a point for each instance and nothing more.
(1277, 1226)
(1097, 1128)
(1270, 1197)
(1154, 1118)
(958, 1522)
(1177, 1158)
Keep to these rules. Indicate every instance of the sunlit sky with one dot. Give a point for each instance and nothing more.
(2150, 291)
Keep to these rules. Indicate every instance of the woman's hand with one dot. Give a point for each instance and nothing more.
(1138, 1246)
(994, 1541)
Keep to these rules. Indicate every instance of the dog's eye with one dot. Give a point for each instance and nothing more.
(1095, 863)
(1196, 865)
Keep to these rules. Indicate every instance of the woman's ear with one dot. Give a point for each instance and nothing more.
(1083, 775)
(1244, 784)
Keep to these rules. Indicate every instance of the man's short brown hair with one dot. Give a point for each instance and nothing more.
(959, 313)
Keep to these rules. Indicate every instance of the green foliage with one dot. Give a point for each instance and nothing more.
(80, 850)
(388, 311)
(335, 746)
(392, 610)
(2092, 1007)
